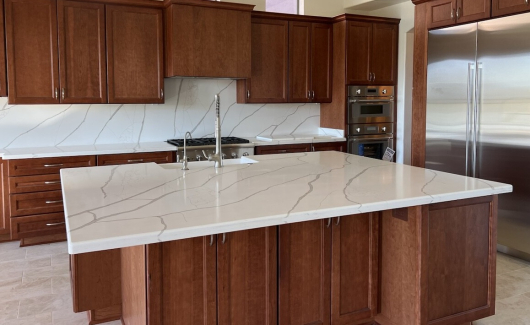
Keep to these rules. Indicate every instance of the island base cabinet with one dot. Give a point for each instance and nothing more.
(438, 263)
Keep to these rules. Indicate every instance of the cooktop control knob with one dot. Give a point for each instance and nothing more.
(384, 91)
(224, 156)
(384, 128)
(245, 154)
(198, 158)
(234, 155)
(358, 130)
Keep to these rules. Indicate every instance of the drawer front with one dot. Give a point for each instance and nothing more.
(330, 146)
(136, 158)
(36, 226)
(36, 203)
(294, 148)
(44, 166)
(30, 184)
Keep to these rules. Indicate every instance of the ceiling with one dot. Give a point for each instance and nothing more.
(369, 5)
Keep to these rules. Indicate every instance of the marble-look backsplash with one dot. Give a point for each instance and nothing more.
(189, 106)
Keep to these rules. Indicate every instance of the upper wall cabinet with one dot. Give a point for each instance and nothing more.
(32, 58)
(135, 55)
(82, 52)
(371, 53)
(442, 13)
(310, 55)
(3, 71)
(270, 60)
(508, 7)
(291, 60)
(208, 39)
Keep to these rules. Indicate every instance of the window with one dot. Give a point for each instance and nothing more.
(283, 6)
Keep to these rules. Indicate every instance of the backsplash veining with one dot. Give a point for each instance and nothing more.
(189, 107)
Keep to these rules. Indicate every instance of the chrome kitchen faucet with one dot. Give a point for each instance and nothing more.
(185, 158)
(218, 156)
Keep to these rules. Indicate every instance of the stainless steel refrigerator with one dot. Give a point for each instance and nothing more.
(478, 114)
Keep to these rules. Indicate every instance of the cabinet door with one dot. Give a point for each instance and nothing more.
(321, 61)
(305, 265)
(441, 13)
(354, 274)
(189, 282)
(136, 158)
(3, 71)
(82, 47)
(32, 60)
(299, 62)
(270, 59)
(359, 44)
(383, 63)
(247, 277)
(4, 217)
(472, 10)
(134, 55)
(508, 7)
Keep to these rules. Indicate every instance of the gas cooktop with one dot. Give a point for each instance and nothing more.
(207, 141)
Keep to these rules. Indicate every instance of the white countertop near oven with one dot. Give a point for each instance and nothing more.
(120, 206)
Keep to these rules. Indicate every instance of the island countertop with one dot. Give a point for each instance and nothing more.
(120, 206)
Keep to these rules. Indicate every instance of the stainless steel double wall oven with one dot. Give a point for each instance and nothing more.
(370, 120)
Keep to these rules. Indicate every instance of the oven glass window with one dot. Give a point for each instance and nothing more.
(371, 150)
(371, 109)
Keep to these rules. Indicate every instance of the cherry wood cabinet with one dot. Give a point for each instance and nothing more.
(443, 13)
(301, 147)
(3, 71)
(509, 7)
(163, 157)
(329, 146)
(208, 39)
(321, 62)
(305, 273)
(371, 53)
(32, 51)
(472, 10)
(82, 62)
(134, 54)
(355, 269)
(5, 225)
(269, 64)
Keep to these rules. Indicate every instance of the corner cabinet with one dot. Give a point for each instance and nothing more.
(291, 60)
(135, 54)
(371, 53)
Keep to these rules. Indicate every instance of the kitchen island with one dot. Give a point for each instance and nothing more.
(312, 238)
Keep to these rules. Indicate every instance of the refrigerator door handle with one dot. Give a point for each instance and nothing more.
(469, 115)
(478, 95)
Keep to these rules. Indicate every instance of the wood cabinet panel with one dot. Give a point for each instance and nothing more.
(384, 55)
(32, 54)
(189, 282)
(134, 54)
(329, 146)
(508, 7)
(208, 42)
(43, 166)
(441, 13)
(461, 255)
(94, 274)
(136, 158)
(35, 203)
(82, 52)
(359, 46)
(5, 220)
(39, 183)
(472, 10)
(354, 277)
(305, 266)
(289, 148)
(299, 62)
(321, 62)
(270, 61)
(3, 70)
(38, 225)
(247, 277)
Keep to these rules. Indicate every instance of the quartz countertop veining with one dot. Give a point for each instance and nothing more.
(119, 206)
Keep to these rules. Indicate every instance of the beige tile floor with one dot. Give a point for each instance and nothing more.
(35, 288)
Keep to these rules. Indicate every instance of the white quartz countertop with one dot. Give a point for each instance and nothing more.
(120, 206)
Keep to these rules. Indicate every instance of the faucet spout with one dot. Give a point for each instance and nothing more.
(218, 156)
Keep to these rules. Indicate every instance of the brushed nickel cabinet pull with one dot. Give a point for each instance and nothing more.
(211, 240)
(248, 94)
(458, 13)
(62, 93)
(452, 14)
(135, 161)
(56, 93)
(224, 239)
(373, 76)
(526, 2)
(162, 93)
(329, 223)
(53, 202)
(51, 183)
(338, 221)
(309, 94)
(54, 165)
(54, 224)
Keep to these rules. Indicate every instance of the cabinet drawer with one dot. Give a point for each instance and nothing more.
(36, 226)
(30, 184)
(36, 203)
(291, 148)
(44, 166)
(136, 158)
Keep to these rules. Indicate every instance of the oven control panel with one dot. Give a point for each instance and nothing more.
(366, 129)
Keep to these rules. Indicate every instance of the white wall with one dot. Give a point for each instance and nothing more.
(404, 11)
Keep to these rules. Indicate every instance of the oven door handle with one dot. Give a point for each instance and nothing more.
(372, 101)
(375, 137)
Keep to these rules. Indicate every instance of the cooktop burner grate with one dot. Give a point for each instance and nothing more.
(206, 141)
